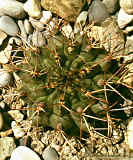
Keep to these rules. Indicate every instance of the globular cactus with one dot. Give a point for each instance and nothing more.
(75, 82)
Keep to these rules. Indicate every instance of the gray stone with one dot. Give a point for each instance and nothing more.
(111, 5)
(8, 26)
(7, 145)
(12, 8)
(50, 154)
(97, 12)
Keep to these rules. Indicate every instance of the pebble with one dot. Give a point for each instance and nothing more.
(22, 29)
(24, 153)
(129, 134)
(4, 78)
(124, 18)
(47, 15)
(28, 26)
(17, 130)
(8, 26)
(97, 12)
(111, 5)
(7, 145)
(50, 154)
(4, 56)
(66, 9)
(12, 8)
(127, 6)
(33, 8)
(2, 37)
(16, 115)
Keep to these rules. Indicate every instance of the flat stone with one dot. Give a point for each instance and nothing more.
(8, 26)
(7, 145)
(66, 9)
(33, 8)
(12, 8)
(24, 153)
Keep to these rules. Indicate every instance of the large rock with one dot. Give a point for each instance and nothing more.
(66, 9)
(12, 8)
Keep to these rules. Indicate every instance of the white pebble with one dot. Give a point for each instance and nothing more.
(47, 15)
(129, 135)
(4, 78)
(24, 153)
(124, 18)
(17, 130)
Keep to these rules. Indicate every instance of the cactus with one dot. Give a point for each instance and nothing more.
(75, 84)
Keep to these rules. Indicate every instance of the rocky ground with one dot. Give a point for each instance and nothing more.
(27, 25)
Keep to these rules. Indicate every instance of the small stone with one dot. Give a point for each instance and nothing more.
(17, 130)
(33, 8)
(28, 26)
(4, 57)
(66, 9)
(2, 37)
(7, 145)
(111, 5)
(97, 12)
(22, 30)
(8, 26)
(24, 153)
(16, 115)
(4, 78)
(129, 134)
(12, 8)
(50, 154)
(47, 15)
(124, 18)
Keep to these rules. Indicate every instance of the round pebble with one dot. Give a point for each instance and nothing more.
(12, 8)
(4, 78)
(50, 154)
(8, 25)
(24, 153)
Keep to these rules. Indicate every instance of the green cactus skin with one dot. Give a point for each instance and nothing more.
(61, 75)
